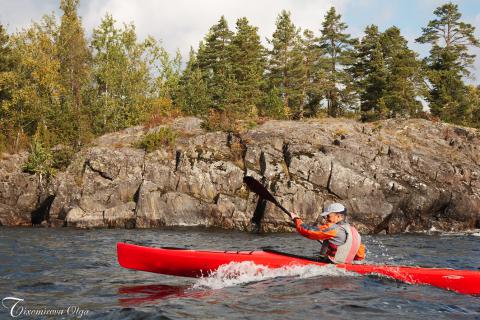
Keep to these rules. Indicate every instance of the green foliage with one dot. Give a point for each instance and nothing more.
(61, 90)
(164, 69)
(247, 57)
(40, 160)
(192, 95)
(121, 73)
(214, 61)
(74, 57)
(285, 68)
(448, 61)
(6, 64)
(219, 121)
(337, 46)
(311, 86)
(164, 137)
(472, 114)
(273, 106)
(35, 84)
(387, 74)
(3, 144)
(62, 157)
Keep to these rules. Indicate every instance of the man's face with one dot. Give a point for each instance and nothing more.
(333, 217)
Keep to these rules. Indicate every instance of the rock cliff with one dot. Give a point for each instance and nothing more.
(393, 176)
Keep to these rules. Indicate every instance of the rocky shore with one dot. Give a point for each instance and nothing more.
(393, 175)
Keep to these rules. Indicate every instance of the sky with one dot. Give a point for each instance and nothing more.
(181, 24)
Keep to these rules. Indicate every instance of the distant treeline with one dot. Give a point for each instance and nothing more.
(59, 89)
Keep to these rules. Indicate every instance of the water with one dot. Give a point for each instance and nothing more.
(53, 269)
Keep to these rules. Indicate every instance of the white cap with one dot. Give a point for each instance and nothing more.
(334, 207)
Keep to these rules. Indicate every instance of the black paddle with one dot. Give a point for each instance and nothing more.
(255, 186)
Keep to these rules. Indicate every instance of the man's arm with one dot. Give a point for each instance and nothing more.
(323, 232)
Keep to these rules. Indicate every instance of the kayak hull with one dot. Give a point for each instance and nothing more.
(194, 263)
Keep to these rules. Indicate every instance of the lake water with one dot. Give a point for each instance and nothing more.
(76, 272)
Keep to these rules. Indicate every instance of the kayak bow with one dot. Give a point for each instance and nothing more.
(193, 263)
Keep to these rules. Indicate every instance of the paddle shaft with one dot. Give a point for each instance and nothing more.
(283, 209)
(255, 186)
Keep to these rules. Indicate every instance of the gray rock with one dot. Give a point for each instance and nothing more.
(393, 176)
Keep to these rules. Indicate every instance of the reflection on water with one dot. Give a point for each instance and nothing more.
(138, 295)
(68, 267)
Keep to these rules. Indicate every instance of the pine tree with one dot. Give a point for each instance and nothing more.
(405, 82)
(370, 73)
(74, 57)
(473, 112)
(388, 75)
(338, 49)
(286, 64)
(448, 61)
(248, 67)
(192, 93)
(215, 64)
(311, 89)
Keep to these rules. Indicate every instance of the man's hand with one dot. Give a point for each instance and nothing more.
(294, 215)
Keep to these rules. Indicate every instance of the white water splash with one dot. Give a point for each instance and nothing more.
(236, 273)
(471, 232)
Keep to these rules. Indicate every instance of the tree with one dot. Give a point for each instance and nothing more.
(273, 105)
(36, 88)
(311, 85)
(192, 95)
(247, 56)
(215, 63)
(122, 81)
(387, 74)
(338, 48)
(164, 69)
(473, 112)
(6, 61)
(405, 82)
(370, 73)
(7, 64)
(448, 61)
(74, 57)
(285, 66)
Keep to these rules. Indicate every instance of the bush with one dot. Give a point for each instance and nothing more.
(62, 157)
(274, 107)
(219, 121)
(40, 160)
(3, 144)
(161, 111)
(164, 137)
(227, 122)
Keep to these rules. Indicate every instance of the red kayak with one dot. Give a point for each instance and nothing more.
(193, 263)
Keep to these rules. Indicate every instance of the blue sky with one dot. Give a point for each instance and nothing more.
(183, 23)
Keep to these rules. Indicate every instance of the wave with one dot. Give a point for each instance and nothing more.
(236, 273)
(472, 232)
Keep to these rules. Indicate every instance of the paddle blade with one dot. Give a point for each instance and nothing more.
(259, 213)
(255, 186)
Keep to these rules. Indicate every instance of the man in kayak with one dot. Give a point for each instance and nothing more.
(341, 242)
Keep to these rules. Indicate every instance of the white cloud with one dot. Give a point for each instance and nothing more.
(19, 14)
(183, 23)
(475, 78)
